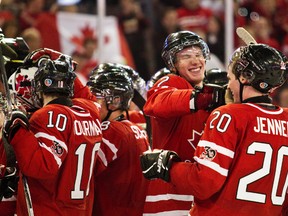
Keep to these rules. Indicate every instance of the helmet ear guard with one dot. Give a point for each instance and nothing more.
(248, 75)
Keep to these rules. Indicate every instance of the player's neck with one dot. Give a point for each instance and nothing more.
(250, 92)
(115, 115)
(47, 99)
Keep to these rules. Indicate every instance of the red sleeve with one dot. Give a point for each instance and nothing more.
(8, 207)
(81, 91)
(113, 139)
(213, 161)
(169, 97)
(40, 155)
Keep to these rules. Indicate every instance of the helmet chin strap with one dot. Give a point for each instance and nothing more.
(108, 115)
(111, 111)
(241, 89)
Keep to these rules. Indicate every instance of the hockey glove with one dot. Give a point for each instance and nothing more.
(11, 126)
(208, 98)
(34, 58)
(157, 164)
(9, 183)
(218, 98)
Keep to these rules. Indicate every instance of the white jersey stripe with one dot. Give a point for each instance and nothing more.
(219, 149)
(169, 213)
(57, 159)
(111, 146)
(86, 114)
(275, 112)
(212, 165)
(102, 156)
(52, 138)
(162, 197)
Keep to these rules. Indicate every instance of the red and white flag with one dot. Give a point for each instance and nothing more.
(65, 32)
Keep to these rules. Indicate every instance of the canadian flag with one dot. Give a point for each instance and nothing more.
(65, 32)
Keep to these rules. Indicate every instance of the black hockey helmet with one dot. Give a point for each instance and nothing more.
(158, 75)
(262, 65)
(139, 83)
(216, 76)
(113, 83)
(175, 42)
(54, 77)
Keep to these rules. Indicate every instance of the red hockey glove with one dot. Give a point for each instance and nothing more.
(208, 98)
(218, 98)
(157, 164)
(34, 58)
(11, 126)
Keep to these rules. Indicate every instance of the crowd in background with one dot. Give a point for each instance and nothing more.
(146, 24)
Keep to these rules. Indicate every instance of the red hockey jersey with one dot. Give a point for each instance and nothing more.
(174, 128)
(121, 188)
(241, 163)
(58, 156)
(7, 206)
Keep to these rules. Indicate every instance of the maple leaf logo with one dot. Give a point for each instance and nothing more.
(23, 86)
(87, 32)
(195, 138)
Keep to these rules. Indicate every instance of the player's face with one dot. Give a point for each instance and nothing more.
(233, 85)
(190, 63)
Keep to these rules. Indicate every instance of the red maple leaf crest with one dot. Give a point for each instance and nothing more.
(87, 32)
(23, 90)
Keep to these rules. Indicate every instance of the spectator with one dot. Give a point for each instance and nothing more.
(215, 37)
(168, 24)
(263, 32)
(192, 16)
(30, 13)
(11, 29)
(240, 165)
(134, 25)
(33, 38)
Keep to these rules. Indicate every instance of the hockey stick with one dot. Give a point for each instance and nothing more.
(11, 160)
(27, 196)
(245, 36)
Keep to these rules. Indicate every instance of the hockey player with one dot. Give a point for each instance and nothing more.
(121, 188)
(60, 147)
(179, 105)
(241, 160)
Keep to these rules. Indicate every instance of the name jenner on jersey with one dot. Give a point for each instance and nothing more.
(271, 126)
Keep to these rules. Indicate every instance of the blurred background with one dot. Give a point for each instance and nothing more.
(133, 31)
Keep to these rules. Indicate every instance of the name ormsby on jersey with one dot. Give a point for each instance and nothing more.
(271, 126)
(87, 128)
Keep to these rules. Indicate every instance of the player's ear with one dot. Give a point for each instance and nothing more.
(244, 79)
(247, 77)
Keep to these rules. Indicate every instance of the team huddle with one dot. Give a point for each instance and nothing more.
(218, 144)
